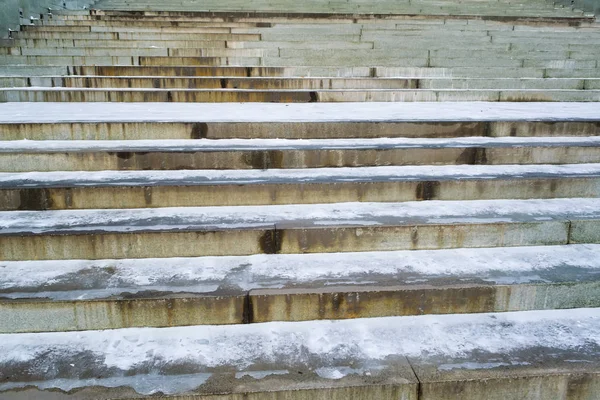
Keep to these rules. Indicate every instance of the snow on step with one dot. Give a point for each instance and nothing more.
(332, 355)
(72, 279)
(311, 112)
(288, 176)
(314, 215)
(60, 146)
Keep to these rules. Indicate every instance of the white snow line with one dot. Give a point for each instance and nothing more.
(338, 214)
(304, 175)
(299, 268)
(310, 112)
(44, 146)
(241, 346)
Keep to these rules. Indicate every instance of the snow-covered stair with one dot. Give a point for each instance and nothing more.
(532, 355)
(443, 248)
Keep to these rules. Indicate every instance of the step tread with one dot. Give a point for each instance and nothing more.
(312, 112)
(199, 145)
(496, 348)
(57, 179)
(297, 216)
(286, 273)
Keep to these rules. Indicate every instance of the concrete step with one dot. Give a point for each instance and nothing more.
(362, 72)
(130, 60)
(98, 155)
(224, 82)
(75, 43)
(146, 189)
(443, 9)
(135, 36)
(61, 121)
(233, 82)
(139, 51)
(290, 229)
(83, 295)
(293, 95)
(485, 356)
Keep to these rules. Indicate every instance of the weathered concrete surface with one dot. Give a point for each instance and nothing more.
(380, 301)
(159, 310)
(421, 237)
(137, 245)
(252, 191)
(454, 356)
(158, 158)
(287, 240)
(165, 232)
(107, 294)
(280, 95)
(290, 130)
(533, 375)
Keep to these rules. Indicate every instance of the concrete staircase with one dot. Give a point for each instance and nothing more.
(435, 237)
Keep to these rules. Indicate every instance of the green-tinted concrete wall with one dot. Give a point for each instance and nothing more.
(9, 10)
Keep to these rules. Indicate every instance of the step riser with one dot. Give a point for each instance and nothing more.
(139, 51)
(228, 83)
(291, 130)
(114, 314)
(267, 306)
(295, 240)
(360, 72)
(266, 96)
(304, 193)
(270, 159)
(300, 83)
(238, 37)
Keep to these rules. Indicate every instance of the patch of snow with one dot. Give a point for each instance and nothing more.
(158, 219)
(332, 342)
(303, 175)
(282, 144)
(273, 112)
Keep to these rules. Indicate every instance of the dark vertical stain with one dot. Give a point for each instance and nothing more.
(270, 242)
(313, 97)
(248, 311)
(473, 155)
(513, 131)
(223, 83)
(199, 130)
(35, 199)
(148, 195)
(427, 190)
(169, 97)
(265, 159)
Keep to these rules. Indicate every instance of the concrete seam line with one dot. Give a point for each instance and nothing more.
(419, 384)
